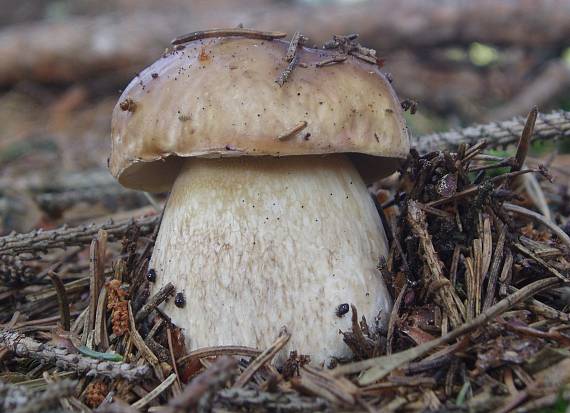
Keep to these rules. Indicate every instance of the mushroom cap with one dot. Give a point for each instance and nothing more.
(218, 97)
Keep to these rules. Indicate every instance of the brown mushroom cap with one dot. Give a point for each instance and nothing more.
(218, 98)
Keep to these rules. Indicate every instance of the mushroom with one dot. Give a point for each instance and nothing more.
(269, 222)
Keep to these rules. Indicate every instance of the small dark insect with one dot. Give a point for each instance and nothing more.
(179, 300)
(151, 275)
(410, 104)
(128, 105)
(342, 309)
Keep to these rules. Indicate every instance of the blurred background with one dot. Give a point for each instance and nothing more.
(64, 62)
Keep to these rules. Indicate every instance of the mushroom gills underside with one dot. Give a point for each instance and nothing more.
(257, 243)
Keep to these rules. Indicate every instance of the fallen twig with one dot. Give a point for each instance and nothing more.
(252, 398)
(27, 347)
(64, 315)
(206, 34)
(293, 131)
(553, 125)
(263, 358)
(154, 301)
(200, 390)
(155, 392)
(446, 293)
(524, 141)
(540, 218)
(284, 76)
(53, 393)
(379, 367)
(42, 241)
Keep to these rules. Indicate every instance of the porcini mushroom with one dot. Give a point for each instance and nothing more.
(269, 222)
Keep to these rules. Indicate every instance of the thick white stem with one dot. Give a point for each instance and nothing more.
(259, 243)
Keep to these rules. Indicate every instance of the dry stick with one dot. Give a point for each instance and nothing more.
(100, 337)
(94, 282)
(154, 301)
(487, 244)
(524, 141)
(27, 347)
(173, 360)
(291, 57)
(63, 302)
(474, 150)
(546, 311)
(248, 33)
(297, 40)
(53, 393)
(293, 131)
(536, 194)
(368, 59)
(248, 399)
(475, 189)
(65, 401)
(540, 218)
(41, 321)
(454, 265)
(206, 383)
(506, 273)
(553, 125)
(323, 384)
(502, 163)
(540, 261)
(331, 60)
(263, 358)
(220, 351)
(447, 295)
(379, 367)
(139, 342)
(495, 266)
(284, 76)
(154, 393)
(39, 241)
(393, 318)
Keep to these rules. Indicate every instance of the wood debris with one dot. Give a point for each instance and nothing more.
(291, 57)
(474, 270)
(240, 32)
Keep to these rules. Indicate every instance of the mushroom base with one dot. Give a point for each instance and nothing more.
(257, 243)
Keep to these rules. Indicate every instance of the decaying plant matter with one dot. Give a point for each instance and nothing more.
(479, 322)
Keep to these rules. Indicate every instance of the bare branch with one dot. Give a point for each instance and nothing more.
(553, 125)
(41, 241)
(27, 347)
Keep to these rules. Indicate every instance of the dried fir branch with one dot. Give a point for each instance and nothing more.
(54, 203)
(49, 397)
(240, 32)
(284, 76)
(42, 241)
(198, 394)
(265, 357)
(446, 292)
(540, 218)
(248, 398)
(549, 126)
(297, 40)
(217, 351)
(377, 368)
(27, 347)
(524, 141)
(63, 302)
(331, 60)
(154, 301)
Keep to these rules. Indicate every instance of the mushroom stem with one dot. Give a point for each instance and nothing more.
(257, 243)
